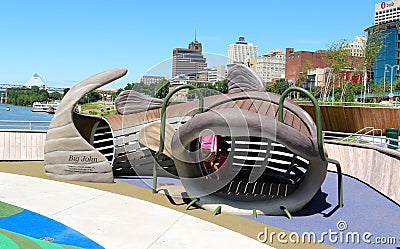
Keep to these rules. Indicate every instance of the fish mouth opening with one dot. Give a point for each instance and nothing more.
(258, 169)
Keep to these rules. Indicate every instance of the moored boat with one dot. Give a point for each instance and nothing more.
(44, 107)
(51, 110)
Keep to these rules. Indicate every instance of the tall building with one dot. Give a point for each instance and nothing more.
(387, 12)
(389, 54)
(241, 51)
(271, 65)
(387, 23)
(188, 61)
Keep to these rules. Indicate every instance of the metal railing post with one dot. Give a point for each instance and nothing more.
(318, 123)
(162, 127)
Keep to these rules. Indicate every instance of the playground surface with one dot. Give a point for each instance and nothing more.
(125, 214)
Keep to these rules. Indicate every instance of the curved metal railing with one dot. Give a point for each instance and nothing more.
(163, 120)
(318, 123)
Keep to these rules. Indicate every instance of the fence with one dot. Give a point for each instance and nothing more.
(24, 125)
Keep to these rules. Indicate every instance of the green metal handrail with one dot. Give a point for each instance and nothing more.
(317, 115)
(163, 120)
(320, 141)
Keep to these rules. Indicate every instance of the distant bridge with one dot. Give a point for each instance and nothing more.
(5, 86)
(105, 93)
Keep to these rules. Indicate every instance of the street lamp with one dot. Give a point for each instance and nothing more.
(391, 75)
(384, 79)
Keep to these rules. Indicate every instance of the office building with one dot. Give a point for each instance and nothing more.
(270, 66)
(389, 53)
(387, 12)
(215, 74)
(241, 51)
(188, 61)
(387, 23)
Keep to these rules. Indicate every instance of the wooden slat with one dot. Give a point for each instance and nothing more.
(2, 142)
(263, 109)
(22, 145)
(352, 119)
(253, 108)
(240, 103)
(257, 104)
(247, 104)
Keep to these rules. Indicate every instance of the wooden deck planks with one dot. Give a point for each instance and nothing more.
(15, 146)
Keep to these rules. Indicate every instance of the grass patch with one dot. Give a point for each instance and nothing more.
(352, 139)
(8, 209)
(98, 108)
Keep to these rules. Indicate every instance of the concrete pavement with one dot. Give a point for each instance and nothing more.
(117, 221)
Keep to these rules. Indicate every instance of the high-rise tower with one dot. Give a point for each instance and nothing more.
(241, 51)
(188, 61)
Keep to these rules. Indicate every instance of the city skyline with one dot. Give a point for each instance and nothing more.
(66, 42)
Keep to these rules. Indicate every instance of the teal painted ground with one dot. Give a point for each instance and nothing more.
(40, 227)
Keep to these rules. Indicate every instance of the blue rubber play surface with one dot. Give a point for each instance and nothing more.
(367, 220)
(38, 226)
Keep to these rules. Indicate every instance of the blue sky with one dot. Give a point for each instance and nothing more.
(67, 41)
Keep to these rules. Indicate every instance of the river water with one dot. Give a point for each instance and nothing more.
(23, 113)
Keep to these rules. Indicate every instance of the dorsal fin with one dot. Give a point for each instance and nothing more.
(130, 101)
(242, 79)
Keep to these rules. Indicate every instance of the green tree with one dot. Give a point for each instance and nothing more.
(221, 86)
(280, 86)
(372, 48)
(161, 89)
(337, 59)
(90, 97)
(270, 88)
(205, 90)
(139, 87)
(55, 96)
(26, 97)
(396, 85)
(65, 91)
(356, 88)
(119, 91)
(129, 86)
(316, 91)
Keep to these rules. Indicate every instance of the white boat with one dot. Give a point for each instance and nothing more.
(44, 107)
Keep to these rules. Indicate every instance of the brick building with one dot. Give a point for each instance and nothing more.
(301, 61)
